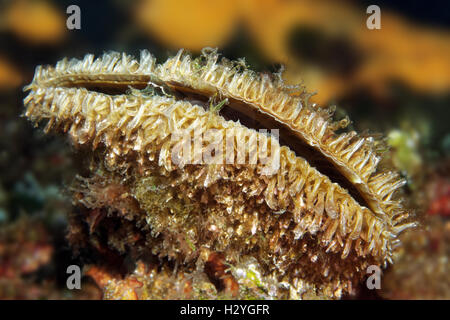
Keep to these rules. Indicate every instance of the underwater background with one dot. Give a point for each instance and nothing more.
(394, 81)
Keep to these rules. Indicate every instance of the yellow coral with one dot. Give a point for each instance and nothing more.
(9, 75)
(36, 21)
(400, 50)
(191, 24)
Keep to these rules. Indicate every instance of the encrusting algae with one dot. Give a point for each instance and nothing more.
(313, 213)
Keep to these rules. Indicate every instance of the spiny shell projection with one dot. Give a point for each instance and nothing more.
(317, 222)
